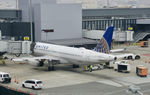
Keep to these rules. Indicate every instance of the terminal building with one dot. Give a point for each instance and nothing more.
(120, 18)
(11, 25)
(66, 21)
(63, 21)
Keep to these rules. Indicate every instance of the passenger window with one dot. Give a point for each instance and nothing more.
(32, 82)
(26, 81)
(39, 82)
(29, 81)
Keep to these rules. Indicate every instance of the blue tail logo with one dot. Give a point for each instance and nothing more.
(105, 42)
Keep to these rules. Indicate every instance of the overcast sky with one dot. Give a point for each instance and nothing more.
(12, 3)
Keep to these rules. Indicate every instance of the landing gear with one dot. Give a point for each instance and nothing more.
(41, 63)
(51, 68)
(75, 66)
(51, 64)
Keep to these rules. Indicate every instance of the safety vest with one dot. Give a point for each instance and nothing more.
(91, 66)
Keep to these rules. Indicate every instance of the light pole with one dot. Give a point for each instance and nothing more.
(30, 16)
(16, 4)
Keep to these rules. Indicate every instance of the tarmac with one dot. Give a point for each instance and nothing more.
(68, 81)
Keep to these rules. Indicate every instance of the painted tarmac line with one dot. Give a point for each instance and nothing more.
(109, 82)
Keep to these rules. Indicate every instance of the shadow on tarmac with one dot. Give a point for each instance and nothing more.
(74, 70)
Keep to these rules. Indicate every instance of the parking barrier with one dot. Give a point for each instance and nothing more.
(6, 90)
(13, 89)
(19, 90)
(25, 92)
(32, 94)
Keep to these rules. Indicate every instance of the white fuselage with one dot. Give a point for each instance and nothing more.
(71, 54)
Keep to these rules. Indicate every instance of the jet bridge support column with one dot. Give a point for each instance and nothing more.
(50, 65)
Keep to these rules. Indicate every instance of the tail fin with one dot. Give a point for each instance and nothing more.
(105, 42)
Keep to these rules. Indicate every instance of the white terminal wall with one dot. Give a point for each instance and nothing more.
(65, 19)
(24, 5)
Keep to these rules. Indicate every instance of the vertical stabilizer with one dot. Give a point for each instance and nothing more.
(105, 42)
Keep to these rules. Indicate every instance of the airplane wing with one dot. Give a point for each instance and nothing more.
(38, 60)
(117, 50)
(32, 58)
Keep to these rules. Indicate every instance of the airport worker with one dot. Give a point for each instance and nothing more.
(3, 61)
(104, 65)
(91, 68)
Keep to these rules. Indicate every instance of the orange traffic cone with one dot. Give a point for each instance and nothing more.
(15, 80)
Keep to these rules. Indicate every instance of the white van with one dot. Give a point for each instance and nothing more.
(33, 83)
(5, 77)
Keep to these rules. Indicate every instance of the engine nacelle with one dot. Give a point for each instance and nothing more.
(36, 63)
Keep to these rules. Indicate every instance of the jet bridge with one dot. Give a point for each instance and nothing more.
(3, 48)
(15, 47)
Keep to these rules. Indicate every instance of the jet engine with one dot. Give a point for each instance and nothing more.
(36, 63)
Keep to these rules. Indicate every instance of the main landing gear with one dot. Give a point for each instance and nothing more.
(51, 64)
(75, 66)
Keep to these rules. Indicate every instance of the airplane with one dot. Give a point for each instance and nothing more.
(57, 54)
(2, 53)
